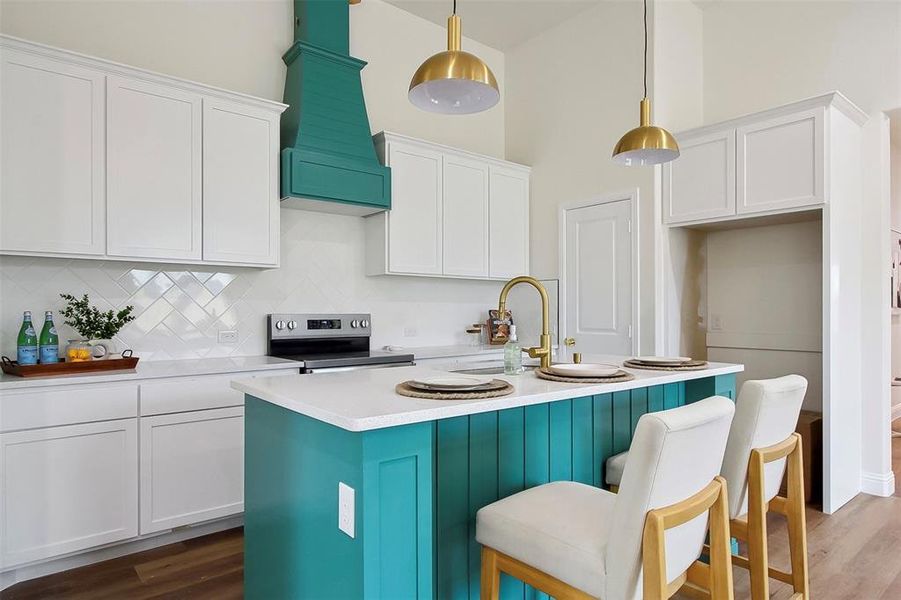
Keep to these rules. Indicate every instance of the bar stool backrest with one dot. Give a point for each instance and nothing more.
(766, 413)
(674, 454)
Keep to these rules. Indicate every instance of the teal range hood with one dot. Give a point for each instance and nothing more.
(329, 162)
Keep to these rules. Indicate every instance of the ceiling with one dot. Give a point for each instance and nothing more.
(501, 24)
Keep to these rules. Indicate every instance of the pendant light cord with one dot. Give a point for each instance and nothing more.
(645, 45)
(455, 6)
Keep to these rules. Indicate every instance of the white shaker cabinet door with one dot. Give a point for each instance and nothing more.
(153, 170)
(414, 223)
(508, 223)
(780, 163)
(64, 489)
(51, 156)
(465, 223)
(192, 467)
(700, 184)
(240, 184)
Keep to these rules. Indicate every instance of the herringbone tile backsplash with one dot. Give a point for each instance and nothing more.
(180, 309)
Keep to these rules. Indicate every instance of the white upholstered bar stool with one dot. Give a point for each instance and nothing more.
(762, 444)
(576, 541)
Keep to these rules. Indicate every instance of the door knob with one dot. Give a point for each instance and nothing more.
(570, 341)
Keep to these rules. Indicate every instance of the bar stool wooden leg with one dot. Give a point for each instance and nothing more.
(797, 522)
(758, 562)
(491, 575)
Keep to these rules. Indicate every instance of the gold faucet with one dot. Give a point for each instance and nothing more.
(543, 351)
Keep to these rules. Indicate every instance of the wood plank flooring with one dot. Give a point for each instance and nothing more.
(855, 553)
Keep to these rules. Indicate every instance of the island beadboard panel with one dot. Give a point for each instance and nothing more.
(418, 488)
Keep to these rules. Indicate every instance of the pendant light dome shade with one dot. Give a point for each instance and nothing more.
(454, 82)
(646, 144)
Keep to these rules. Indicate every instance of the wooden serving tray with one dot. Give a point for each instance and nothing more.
(11, 367)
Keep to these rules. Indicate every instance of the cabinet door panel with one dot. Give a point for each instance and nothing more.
(465, 208)
(701, 183)
(153, 171)
(508, 223)
(192, 467)
(780, 163)
(52, 149)
(64, 489)
(414, 223)
(240, 184)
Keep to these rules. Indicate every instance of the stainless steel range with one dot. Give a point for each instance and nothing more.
(326, 342)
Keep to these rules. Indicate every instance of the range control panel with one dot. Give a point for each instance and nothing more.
(300, 325)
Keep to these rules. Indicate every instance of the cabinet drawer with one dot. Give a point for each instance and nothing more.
(67, 405)
(196, 393)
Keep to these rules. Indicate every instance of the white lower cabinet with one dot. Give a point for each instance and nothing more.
(64, 489)
(192, 467)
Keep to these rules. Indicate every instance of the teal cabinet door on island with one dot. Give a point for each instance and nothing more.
(417, 490)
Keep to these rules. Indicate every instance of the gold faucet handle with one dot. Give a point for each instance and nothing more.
(570, 341)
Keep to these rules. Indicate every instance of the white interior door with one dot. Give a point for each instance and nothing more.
(597, 264)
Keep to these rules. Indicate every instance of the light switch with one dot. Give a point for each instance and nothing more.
(346, 508)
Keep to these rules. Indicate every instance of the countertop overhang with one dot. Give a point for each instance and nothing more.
(364, 400)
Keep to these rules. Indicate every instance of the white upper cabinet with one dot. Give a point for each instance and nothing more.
(780, 162)
(701, 183)
(51, 156)
(508, 222)
(453, 214)
(154, 177)
(758, 165)
(101, 160)
(465, 217)
(240, 183)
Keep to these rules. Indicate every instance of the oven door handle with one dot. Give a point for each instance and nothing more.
(358, 367)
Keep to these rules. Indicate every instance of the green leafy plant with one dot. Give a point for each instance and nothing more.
(90, 322)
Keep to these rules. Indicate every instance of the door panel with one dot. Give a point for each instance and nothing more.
(52, 149)
(64, 489)
(465, 207)
(598, 267)
(701, 184)
(508, 221)
(153, 171)
(780, 163)
(240, 184)
(414, 223)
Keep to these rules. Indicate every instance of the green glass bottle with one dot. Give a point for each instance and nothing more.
(49, 341)
(27, 342)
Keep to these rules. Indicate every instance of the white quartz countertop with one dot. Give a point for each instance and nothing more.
(426, 352)
(156, 369)
(365, 399)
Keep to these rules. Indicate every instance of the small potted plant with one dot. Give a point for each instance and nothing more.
(96, 328)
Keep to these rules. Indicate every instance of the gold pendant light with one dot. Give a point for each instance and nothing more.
(646, 144)
(454, 82)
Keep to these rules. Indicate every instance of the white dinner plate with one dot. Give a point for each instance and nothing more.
(585, 370)
(453, 381)
(662, 360)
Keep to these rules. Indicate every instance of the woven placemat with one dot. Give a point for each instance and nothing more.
(405, 390)
(695, 365)
(542, 374)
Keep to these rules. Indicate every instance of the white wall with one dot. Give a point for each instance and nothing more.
(237, 44)
(896, 226)
(765, 302)
(572, 92)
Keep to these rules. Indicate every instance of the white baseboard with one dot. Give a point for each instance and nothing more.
(878, 484)
(73, 561)
(896, 411)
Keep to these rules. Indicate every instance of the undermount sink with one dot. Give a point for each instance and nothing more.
(489, 370)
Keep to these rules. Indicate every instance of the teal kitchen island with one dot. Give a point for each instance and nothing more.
(419, 471)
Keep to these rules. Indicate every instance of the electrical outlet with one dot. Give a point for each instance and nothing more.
(410, 332)
(716, 323)
(346, 508)
(228, 337)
